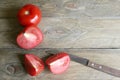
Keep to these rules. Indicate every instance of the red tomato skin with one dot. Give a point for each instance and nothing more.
(33, 17)
(33, 64)
(58, 67)
(26, 43)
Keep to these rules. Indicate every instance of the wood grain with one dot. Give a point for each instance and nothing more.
(12, 64)
(86, 28)
(66, 33)
(65, 8)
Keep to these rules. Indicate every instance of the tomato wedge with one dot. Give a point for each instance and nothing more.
(58, 63)
(33, 64)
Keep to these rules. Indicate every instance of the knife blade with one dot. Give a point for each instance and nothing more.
(99, 67)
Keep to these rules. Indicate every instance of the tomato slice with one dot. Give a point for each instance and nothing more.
(30, 37)
(58, 63)
(33, 64)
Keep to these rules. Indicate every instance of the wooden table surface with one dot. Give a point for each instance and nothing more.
(86, 28)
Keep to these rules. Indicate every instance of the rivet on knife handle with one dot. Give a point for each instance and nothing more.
(105, 69)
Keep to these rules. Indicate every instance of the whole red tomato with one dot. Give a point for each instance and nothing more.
(58, 63)
(30, 37)
(33, 64)
(29, 15)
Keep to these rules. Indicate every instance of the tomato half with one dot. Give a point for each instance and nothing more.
(30, 37)
(29, 15)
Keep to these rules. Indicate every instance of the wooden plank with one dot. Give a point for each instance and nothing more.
(12, 64)
(65, 8)
(66, 33)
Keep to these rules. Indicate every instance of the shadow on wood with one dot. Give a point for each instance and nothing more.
(14, 26)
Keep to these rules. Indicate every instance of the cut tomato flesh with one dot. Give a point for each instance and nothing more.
(30, 38)
(58, 63)
(60, 66)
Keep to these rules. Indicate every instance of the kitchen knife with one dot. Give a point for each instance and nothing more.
(86, 62)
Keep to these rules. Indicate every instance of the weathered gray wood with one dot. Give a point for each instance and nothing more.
(65, 8)
(66, 33)
(11, 67)
(65, 24)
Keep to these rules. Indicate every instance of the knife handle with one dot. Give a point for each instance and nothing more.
(104, 69)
